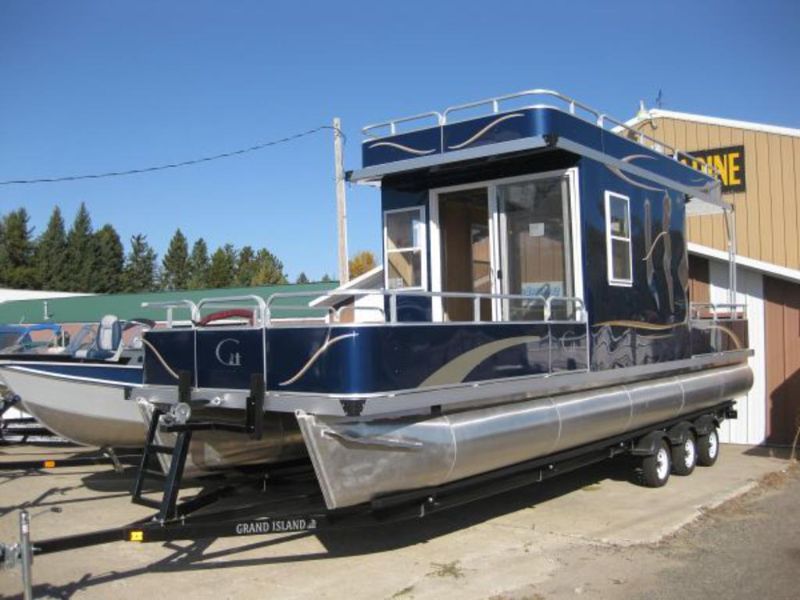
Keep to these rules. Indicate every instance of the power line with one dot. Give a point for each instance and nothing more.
(176, 165)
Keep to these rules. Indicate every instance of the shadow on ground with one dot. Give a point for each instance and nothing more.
(196, 555)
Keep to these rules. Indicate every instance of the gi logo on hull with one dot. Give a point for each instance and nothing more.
(231, 357)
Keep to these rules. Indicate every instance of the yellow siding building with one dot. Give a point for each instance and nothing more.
(759, 166)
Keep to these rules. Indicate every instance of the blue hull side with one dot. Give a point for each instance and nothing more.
(111, 374)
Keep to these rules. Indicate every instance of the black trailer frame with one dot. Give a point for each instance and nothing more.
(105, 456)
(18, 427)
(188, 520)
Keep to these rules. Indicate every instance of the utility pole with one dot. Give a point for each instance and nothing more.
(341, 202)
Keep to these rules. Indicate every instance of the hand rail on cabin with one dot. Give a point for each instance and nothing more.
(331, 312)
(170, 305)
(337, 314)
(495, 103)
(576, 302)
(259, 311)
(737, 311)
(475, 297)
(393, 123)
(599, 118)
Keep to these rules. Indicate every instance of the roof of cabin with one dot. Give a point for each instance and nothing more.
(430, 140)
(88, 309)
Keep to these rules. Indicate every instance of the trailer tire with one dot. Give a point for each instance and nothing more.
(708, 448)
(655, 469)
(684, 455)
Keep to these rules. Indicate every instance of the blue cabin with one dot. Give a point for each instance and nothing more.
(551, 207)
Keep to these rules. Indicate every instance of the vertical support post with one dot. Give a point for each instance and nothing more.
(341, 202)
(730, 227)
(26, 554)
(174, 477)
(392, 306)
(734, 274)
(255, 407)
(184, 387)
(476, 309)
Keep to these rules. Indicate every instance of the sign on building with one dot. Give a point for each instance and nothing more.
(729, 163)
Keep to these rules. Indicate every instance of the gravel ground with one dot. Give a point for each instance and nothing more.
(746, 548)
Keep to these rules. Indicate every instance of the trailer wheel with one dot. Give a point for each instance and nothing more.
(655, 469)
(708, 448)
(684, 456)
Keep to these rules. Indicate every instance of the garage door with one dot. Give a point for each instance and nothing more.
(782, 315)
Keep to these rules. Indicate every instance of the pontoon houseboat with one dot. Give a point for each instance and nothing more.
(535, 301)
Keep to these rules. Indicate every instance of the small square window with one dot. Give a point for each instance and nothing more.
(620, 265)
(618, 239)
(404, 247)
(618, 216)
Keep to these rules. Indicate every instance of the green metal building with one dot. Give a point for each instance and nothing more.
(90, 309)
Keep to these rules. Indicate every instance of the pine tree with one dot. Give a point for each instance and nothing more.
(50, 255)
(269, 269)
(302, 278)
(361, 263)
(221, 272)
(326, 278)
(176, 268)
(17, 252)
(80, 253)
(139, 274)
(110, 261)
(198, 265)
(246, 267)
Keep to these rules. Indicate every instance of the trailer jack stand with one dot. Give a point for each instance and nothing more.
(112, 456)
(20, 554)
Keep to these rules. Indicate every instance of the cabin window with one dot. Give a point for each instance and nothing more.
(618, 239)
(404, 247)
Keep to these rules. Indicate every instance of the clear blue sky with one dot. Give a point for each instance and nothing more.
(95, 85)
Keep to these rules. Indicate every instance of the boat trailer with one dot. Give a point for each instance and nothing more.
(286, 498)
(14, 430)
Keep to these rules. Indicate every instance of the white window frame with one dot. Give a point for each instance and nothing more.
(615, 281)
(575, 235)
(422, 240)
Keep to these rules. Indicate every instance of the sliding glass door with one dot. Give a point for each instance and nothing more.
(504, 237)
(534, 244)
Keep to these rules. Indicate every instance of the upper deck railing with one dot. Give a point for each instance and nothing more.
(572, 106)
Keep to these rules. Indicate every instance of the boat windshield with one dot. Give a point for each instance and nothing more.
(83, 340)
(10, 340)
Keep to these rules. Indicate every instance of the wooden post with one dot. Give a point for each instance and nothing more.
(341, 202)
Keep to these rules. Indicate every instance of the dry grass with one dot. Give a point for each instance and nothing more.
(451, 569)
(404, 593)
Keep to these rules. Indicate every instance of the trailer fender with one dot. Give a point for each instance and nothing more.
(678, 433)
(705, 424)
(648, 444)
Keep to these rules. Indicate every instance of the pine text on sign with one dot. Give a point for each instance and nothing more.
(729, 163)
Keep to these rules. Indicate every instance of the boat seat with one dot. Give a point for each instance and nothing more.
(109, 337)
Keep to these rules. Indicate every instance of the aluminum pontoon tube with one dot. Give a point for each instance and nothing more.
(218, 450)
(355, 461)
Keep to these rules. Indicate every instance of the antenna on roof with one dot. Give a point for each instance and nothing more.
(643, 113)
(659, 98)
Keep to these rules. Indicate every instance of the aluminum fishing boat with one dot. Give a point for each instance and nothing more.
(82, 392)
(535, 300)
